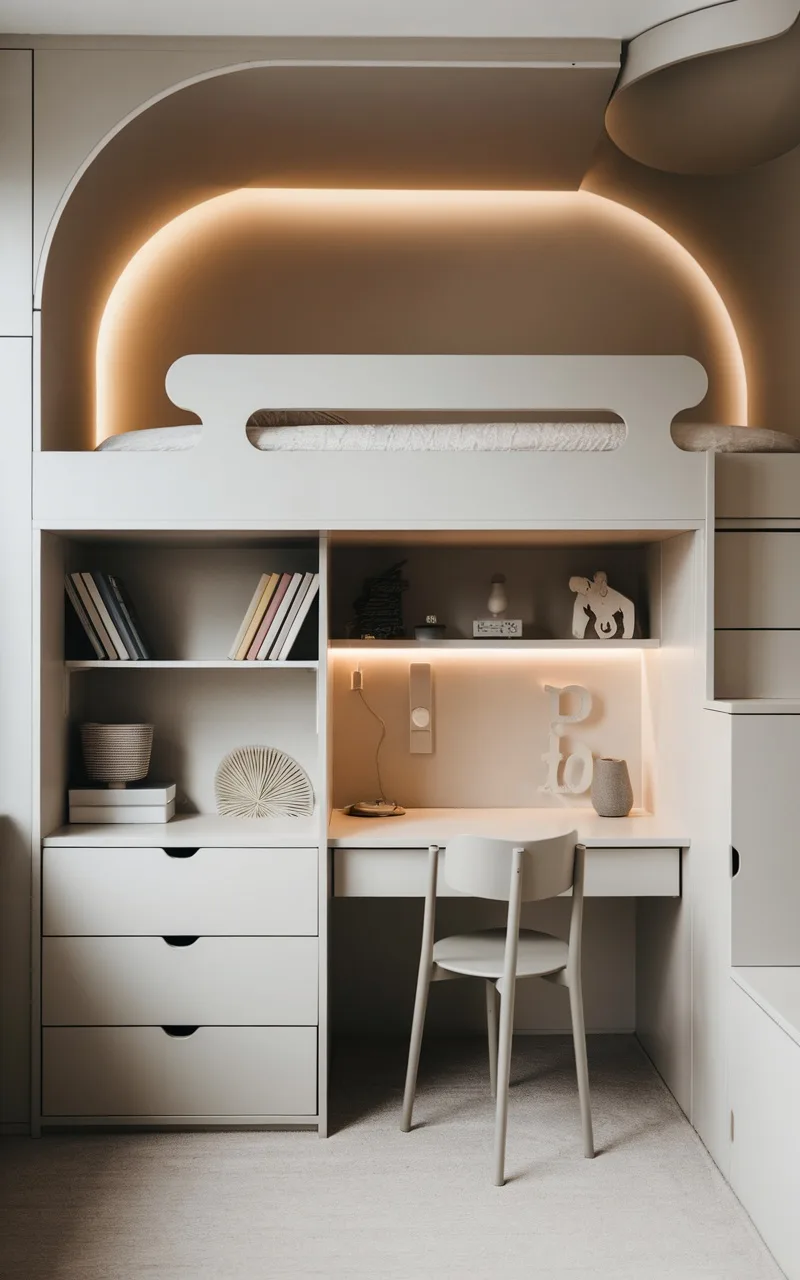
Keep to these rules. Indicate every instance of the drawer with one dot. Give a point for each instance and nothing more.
(610, 873)
(757, 579)
(155, 981)
(144, 1071)
(754, 486)
(122, 891)
(757, 664)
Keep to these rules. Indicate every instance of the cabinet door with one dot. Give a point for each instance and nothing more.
(765, 1101)
(766, 835)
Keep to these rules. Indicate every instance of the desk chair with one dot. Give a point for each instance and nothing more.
(512, 873)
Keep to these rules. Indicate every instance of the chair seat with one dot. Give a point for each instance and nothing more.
(481, 955)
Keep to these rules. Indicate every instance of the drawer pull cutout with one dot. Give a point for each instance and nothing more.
(180, 853)
(736, 862)
(178, 1032)
(180, 939)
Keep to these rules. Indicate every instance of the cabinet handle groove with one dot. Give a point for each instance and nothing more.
(736, 862)
(180, 853)
(179, 1032)
(180, 939)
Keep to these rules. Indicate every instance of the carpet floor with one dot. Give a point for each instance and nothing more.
(373, 1202)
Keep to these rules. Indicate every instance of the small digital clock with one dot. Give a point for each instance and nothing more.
(497, 629)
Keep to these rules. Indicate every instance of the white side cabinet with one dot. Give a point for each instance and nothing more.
(764, 1096)
(179, 985)
(766, 838)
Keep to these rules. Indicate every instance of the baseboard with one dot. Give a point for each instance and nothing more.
(14, 1129)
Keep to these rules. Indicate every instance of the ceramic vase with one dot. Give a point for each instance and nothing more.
(612, 793)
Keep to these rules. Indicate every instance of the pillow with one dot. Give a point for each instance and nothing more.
(718, 438)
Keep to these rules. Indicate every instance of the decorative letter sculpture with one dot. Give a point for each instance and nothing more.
(576, 776)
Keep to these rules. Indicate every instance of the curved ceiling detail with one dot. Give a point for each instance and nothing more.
(715, 91)
(391, 271)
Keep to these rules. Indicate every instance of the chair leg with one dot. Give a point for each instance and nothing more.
(492, 1010)
(417, 1027)
(503, 1072)
(581, 1064)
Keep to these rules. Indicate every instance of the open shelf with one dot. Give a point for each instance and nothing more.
(185, 664)
(477, 645)
(193, 830)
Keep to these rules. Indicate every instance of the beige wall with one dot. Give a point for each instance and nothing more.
(552, 275)
(526, 273)
(743, 229)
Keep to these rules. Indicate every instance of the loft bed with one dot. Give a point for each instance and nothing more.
(387, 473)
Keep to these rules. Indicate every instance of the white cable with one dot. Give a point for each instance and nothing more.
(375, 716)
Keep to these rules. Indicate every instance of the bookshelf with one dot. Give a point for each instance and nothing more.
(191, 590)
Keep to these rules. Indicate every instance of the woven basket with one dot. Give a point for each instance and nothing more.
(116, 753)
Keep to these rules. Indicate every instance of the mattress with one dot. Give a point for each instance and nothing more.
(461, 437)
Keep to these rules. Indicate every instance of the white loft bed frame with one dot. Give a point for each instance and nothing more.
(224, 481)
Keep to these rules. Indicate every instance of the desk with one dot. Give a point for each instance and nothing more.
(634, 857)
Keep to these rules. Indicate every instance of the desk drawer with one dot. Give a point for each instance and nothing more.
(401, 873)
(150, 981)
(143, 1071)
(129, 891)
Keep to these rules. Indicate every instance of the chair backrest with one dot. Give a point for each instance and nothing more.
(482, 867)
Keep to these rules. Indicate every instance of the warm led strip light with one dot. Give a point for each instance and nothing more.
(147, 264)
(404, 652)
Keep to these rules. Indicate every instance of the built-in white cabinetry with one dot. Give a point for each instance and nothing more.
(764, 1093)
(178, 965)
(766, 854)
(179, 983)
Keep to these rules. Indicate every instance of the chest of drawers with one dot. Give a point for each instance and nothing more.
(179, 985)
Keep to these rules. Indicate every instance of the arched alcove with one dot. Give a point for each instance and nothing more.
(263, 211)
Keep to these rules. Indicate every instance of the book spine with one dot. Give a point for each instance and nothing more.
(131, 813)
(115, 613)
(286, 626)
(116, 639)
(277, 622)
(108, 798)
(126, 609)
(248, 617)
(97, 621)
(255, 621)
(308, 600)
(267, 620)
(83, 617)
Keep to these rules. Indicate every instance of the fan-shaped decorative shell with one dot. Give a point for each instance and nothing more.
(262, 782)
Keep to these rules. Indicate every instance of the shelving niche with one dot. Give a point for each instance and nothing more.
(190, 591)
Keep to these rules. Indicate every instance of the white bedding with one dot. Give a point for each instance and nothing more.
(470, 437)
(459, 436)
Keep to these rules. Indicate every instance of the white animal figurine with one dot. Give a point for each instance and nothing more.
(600, 612)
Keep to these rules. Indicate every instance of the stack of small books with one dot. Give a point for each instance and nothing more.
(107, 616)
(277, 611)
(135, 803)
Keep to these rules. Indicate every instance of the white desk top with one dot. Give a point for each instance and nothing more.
(777, 991)
(418, 828)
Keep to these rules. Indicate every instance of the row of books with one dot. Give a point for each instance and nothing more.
(107, 616)
(277, 611)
